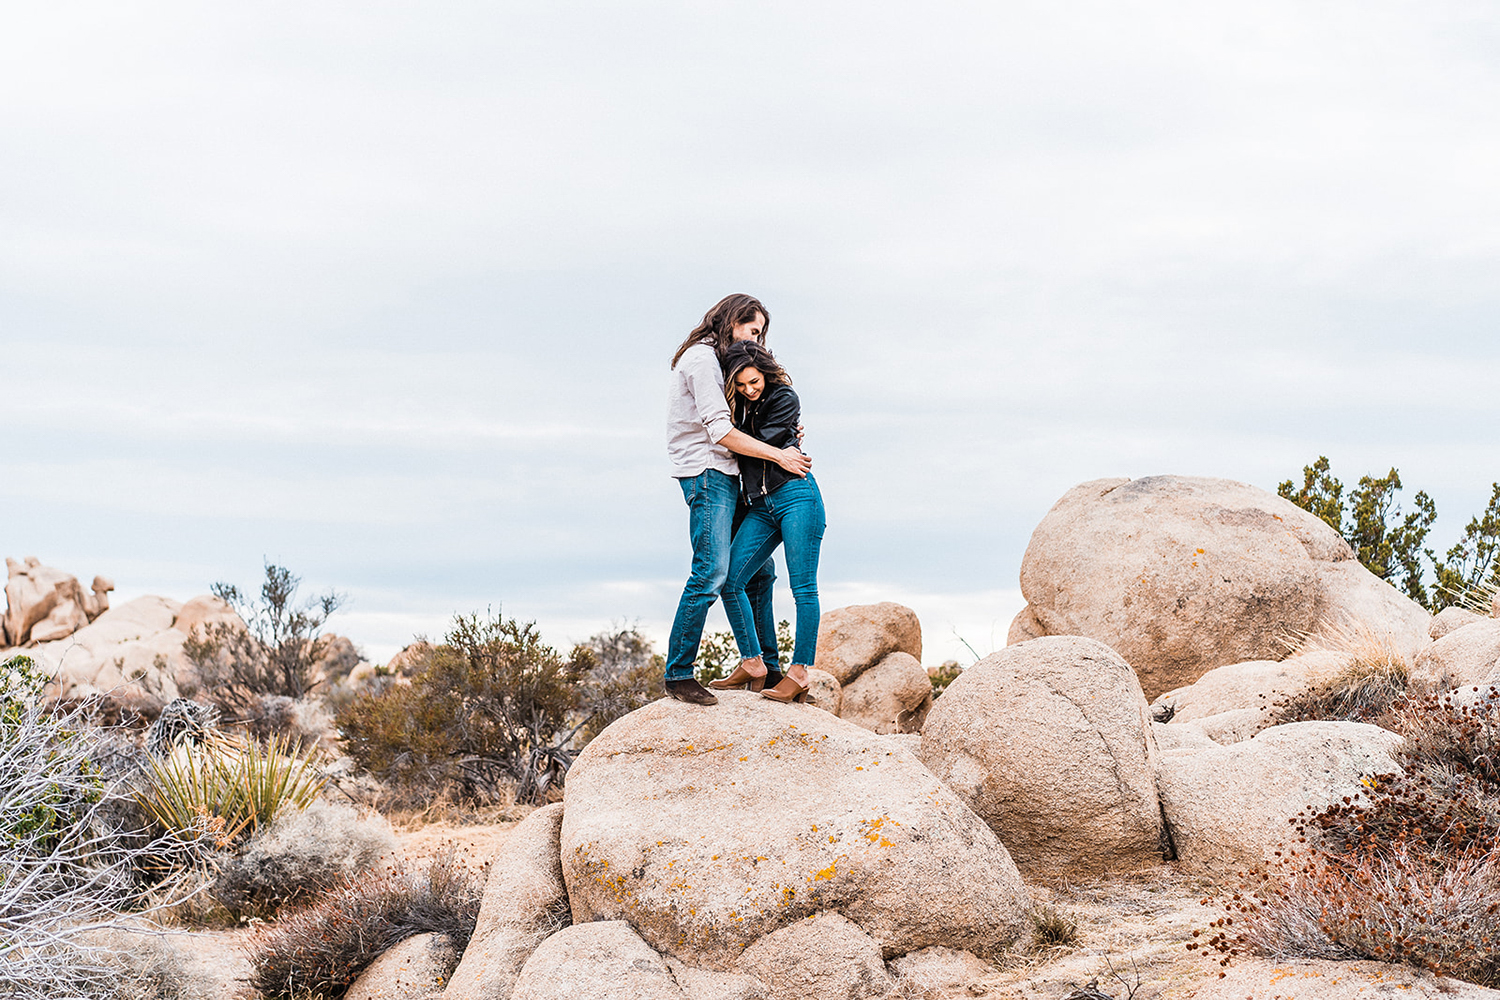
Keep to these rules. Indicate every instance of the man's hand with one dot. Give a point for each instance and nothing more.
(794, 462)
(800, 435)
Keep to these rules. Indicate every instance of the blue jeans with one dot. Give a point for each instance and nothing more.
(791, 514)
(711, 497)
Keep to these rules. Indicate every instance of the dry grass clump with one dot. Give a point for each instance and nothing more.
(1408, 871)
(323, 948)
(1376, 677)
(1051, 928)
(302, 854)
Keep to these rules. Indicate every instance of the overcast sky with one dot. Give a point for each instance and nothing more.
(387, 292)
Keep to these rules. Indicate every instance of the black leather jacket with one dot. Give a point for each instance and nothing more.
(772, 418)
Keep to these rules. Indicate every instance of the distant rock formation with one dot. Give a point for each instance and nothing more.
(43, 604)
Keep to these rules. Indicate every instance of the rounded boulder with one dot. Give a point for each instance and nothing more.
(1051, 743)
(709, 828)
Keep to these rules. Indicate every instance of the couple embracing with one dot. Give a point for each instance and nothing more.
(733, 435)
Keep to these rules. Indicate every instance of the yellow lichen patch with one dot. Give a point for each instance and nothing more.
(826, 874)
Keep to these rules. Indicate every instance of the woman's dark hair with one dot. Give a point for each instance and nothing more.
(717, 328)
(749, 354)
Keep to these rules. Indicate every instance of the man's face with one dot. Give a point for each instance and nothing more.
(751, 329)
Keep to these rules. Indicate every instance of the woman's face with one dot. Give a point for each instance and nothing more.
(750, 383)
(751, 329)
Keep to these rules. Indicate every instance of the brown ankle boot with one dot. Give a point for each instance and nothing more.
(690, 691)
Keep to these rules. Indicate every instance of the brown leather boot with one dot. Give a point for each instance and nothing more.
(744, 675)
(788, 690)
(690, 691)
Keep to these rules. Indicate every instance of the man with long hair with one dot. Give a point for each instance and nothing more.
(701, 443)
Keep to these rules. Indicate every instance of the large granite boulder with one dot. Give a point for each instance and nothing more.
(1232, 808)
(130, 651)
(824, 957)
(709, 828)
(601, 961)
(1467, 655)
(412, 970)
(1182, 574)
(853, 639)
(893, 696)
(1451, 619)
(1050, 742)
(524, 903)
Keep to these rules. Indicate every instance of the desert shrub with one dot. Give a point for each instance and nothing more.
(303, 722)
(494, 706)
(626, 674)
(322, 949)
(301, 854)
(1390, 544)
(227, 788)
(1407, 871)
(67, 869)
(277, 652)
(943, 676)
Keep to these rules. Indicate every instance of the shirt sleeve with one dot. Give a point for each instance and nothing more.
(708, 392)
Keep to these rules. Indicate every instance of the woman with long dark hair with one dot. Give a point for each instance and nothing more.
(783, 509)
(701, 442)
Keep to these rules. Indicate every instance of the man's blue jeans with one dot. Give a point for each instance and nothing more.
(711, 497)
(791, 514)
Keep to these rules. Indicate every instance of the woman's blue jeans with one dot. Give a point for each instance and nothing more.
(712, 498)
(792, 514)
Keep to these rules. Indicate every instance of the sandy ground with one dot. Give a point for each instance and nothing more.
(1132, 937)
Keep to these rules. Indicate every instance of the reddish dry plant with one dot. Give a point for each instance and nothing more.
(322, 949)
(1407, 872)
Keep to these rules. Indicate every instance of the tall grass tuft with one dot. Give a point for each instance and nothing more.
(1376, 677)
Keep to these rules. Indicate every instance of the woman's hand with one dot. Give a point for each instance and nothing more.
(794, 462)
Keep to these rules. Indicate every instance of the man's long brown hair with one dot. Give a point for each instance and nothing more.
(717, 328)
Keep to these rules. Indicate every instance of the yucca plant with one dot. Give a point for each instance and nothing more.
(228, 788)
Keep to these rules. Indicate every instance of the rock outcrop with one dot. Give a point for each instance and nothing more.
(1465, 656)
(824, 957)
(1451, 619)
(1256, 684)
(131, 651)
(1050, 742)
(411, 970)
(853, 639)
(708, 829)
(1230, 808)
(43, 604)
(524, 902)
(1181, 574)
(892, 696)
(602, 961)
